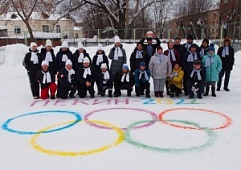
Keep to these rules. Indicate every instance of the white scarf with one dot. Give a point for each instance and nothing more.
(145, 75)
(87, 71)
(106, 76)
(199, 77)
(160, 58)
(48, 57)
(99, 59)
(209, 61)
(202, 52)
(125, 77)
(192, 57)
(188, 46)
(81, 58)
(34, 58)
(139, 54)
(70, 73)
(64, 58)
(225, 51)
(118, 53)
(46, 77)
(172, 54)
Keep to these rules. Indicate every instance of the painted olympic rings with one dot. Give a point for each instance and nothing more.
(5, 126)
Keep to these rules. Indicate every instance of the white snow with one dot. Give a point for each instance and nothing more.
(16, 151)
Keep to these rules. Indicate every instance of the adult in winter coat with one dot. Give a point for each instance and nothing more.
(142, 78)
(138, 56)
(105, 80)
(213, 65)
(174, 57)
(98, 59)
(86, 77)
(204, 47)
(118, 56)
(63, 55)
(66, 83)
(175, 80)
(46, 78)
(78, 56)
(32, 63)
(160, 67)
(196, 79)
(226, 53)
(124, 80)
(187, 64)
(179, 47)
(189, 42)
(48, 55)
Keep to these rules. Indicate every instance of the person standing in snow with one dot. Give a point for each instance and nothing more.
(86, 77)
(32, 63)
(226, 53)
(204, 47)
(46, 78)
(78, 56)
(118, 56)
(160, 67)
(138, 56)
(48, 55)
(99, 59)
(189, 42)
(63, 55)
(66, 81)
(213, 65)
(179, 47)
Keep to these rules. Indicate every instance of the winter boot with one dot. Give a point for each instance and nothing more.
(129, 93)
(207, 91)
(156, 94)
(161, 94)
(171, 94)
(213, 92)
(110, 93)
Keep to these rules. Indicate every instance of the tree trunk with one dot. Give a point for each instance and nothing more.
(30, 30)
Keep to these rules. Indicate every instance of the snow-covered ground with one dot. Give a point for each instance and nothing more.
(115, 134)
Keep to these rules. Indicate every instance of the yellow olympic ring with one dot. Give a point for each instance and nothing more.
(119, 131)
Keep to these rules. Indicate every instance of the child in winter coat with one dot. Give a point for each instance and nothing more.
(160, 67)
(105, 80)
(124, 80)
(46, 78)
(213, 65)
(142, 77)
(196, 79)
(66, 81)
(118, 56)
(138, 56)
(48, 55)
(98, 59)
(86, 77)
(175, 80)
(32, 63)
(79, 55)
(63, 55)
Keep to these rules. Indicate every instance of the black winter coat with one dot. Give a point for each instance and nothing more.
(188, 65)
(29, 65)
(52, 65)
(39, 77)
(105, 60)
(90, 78)
(63, 79)
(100, 78)
(197, 47)
(135, 62)
(118, 77)
(181, 49)
(154, 46)
(228, 61)
(59, 63)
(195, 78)
(76, 63)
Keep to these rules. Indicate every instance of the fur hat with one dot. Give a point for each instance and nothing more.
(125, 66)
(103, 65)
(48, 43)
(44, 62)
(227, 39)
(68, 62)
(32, 44)
(65, 44)
(80, 45)
(86, 60)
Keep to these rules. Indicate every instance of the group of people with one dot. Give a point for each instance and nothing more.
(185, 67)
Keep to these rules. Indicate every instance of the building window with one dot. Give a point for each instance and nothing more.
(45, 28)
(58, 29)
(17, 29)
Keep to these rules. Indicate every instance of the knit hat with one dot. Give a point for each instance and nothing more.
(44, 63)
(65, 44)
(159, 47)
(206, 40)
(189, 37)
(103, 65)
(68, 62)
(48, 43)
(86, 60)
(117, 39)
(211, 48)
(125, 66)
(80, 45)
(197, 62)
(32, 44)
(177, 38)
(99, 47)
(142, 64)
